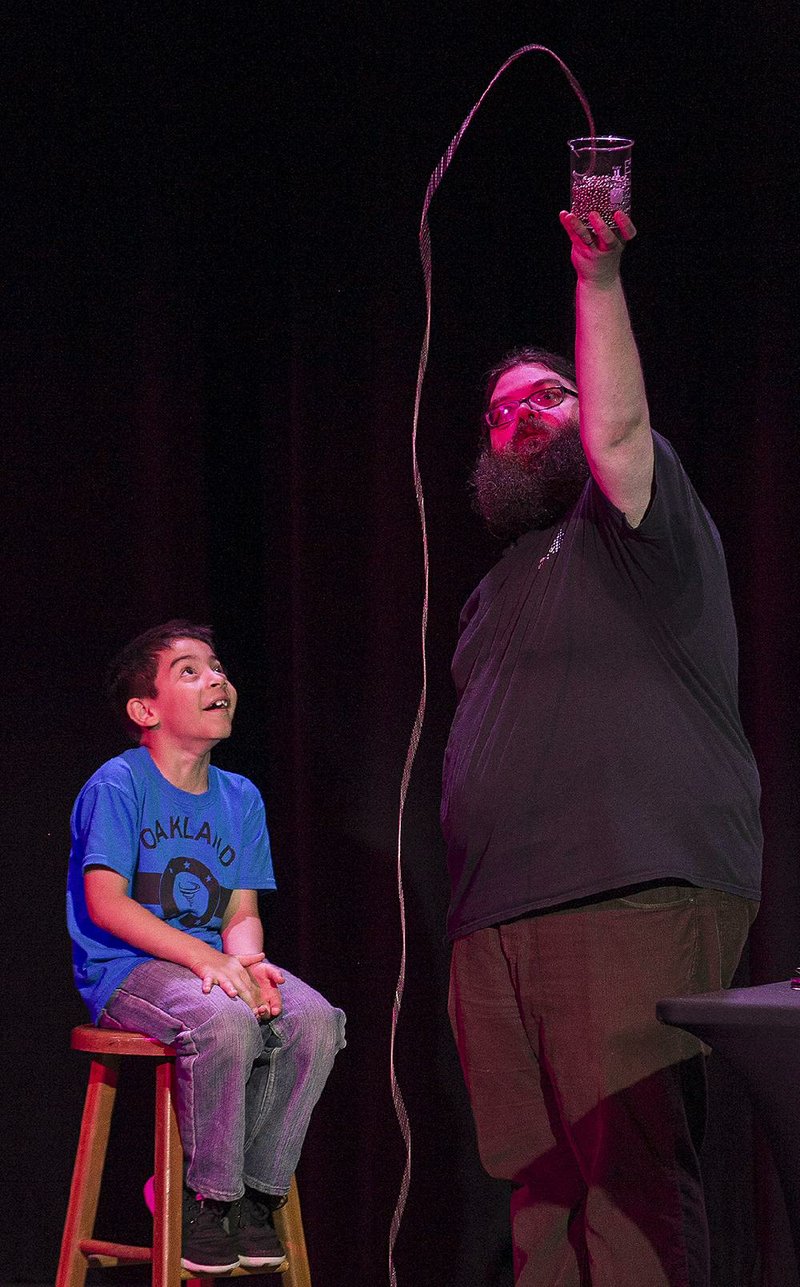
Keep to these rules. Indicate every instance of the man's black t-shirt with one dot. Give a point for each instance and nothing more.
(597, 742)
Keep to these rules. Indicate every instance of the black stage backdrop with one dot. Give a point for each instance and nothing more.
(211, 313)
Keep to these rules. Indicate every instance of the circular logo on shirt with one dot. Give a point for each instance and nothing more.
(189, 893)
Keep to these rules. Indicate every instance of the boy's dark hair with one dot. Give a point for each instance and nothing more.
(562, 366)
(132, 673)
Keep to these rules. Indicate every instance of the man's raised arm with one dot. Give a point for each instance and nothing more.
(615, 423)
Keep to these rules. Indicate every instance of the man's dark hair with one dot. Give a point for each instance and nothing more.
(519, 357)
(132, 673)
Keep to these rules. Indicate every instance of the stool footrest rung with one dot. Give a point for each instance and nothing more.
(106, 1254)
(192, 1274)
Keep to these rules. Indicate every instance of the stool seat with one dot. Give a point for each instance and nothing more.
(112, 1041)
(79, 1247)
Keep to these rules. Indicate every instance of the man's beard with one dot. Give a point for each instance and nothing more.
(529, 486)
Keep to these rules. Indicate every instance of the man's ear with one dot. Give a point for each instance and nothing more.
(141, 712)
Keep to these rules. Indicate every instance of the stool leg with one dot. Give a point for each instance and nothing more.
(289, 1227)
(168, 1182)
(88, 1170)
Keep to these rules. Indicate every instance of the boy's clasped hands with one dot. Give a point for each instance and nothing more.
(249, 976)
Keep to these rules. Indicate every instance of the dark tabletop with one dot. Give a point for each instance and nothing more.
(769, 1005)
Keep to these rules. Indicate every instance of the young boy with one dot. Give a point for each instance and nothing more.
(167, 855)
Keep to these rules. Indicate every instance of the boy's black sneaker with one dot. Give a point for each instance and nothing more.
(207, 1247)
(257, 1242)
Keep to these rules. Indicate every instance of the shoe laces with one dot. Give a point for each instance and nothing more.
(256, 1210)
(217, 1211)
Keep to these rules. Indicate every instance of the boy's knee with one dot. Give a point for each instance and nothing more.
(313, 1022)
(328, 1024)
(229, 1025)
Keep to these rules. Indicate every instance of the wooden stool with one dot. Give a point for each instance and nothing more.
(79, 1247)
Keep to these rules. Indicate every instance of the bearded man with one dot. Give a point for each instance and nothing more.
(600, 808)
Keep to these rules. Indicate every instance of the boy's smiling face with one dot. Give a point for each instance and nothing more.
(194, 702)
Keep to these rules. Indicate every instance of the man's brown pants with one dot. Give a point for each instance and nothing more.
(590, 1106)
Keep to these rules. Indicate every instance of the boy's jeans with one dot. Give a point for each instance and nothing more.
(246, 1089)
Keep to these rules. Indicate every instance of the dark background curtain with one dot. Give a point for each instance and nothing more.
(211, 315)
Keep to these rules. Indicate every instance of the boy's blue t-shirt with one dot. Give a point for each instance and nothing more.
(183, 855)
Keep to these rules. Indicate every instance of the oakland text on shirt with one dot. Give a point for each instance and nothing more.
(181, 828)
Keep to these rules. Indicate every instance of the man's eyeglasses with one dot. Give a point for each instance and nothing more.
(550, 395)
